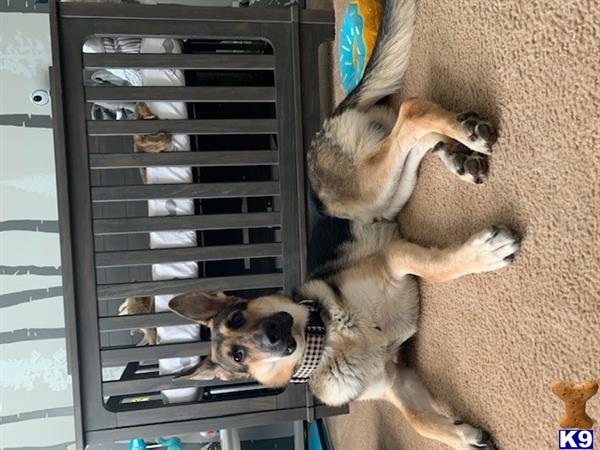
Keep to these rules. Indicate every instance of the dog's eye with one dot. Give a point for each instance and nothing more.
(236, 321)
(238, 354)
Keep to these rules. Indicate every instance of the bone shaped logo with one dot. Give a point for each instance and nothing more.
(575, 397)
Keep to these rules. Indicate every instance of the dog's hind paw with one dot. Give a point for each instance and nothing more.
(474, 438)
(485, 442)
(468, 165)
(480, 134)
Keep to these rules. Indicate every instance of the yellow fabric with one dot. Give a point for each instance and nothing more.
(370, 11)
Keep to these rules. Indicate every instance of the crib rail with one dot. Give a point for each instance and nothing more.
(253, 94)
(204, 159)
(218, 252)
(207, 62)
(232, 283)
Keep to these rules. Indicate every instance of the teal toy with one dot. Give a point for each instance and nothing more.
(170, 444)
(137, 444)
(358, 34)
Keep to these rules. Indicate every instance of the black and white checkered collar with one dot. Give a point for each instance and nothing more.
(314, 335)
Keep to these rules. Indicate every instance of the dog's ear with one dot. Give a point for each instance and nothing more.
(200, 306)
(209, 370)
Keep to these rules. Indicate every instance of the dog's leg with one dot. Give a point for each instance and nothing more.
(411, 397)
(421, 126)
(418, 118)
(490, 249)
(468, 165)
(410, 172)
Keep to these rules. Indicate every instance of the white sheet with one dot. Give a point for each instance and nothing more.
(165, 239)
(169, 207)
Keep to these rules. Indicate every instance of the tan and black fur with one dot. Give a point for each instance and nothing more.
(140, 305)
(149, 143)
(363, 167)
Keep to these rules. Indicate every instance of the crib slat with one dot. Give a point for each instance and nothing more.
(187, 93)
(231, 283)
(214, 253)
(155, 384)
(178, 61)
(178, 223)
(118, 356)
(199, 190)
(205, 126)
(128, 322)
(236, 21)
(200, 159)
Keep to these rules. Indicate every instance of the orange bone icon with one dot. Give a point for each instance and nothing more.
(575, 396)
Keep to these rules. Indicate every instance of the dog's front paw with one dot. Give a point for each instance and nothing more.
(490, 249)
(468, 165)
(474, 438)
(480, 134)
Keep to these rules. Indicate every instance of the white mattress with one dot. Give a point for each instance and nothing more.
(179, 207)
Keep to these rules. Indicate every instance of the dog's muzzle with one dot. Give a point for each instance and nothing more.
(276, 331)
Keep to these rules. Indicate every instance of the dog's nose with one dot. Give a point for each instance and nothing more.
(277, 327)
(272, 332)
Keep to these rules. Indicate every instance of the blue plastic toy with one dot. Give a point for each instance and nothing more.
(358, 34)
(137, 444)
(169, 444)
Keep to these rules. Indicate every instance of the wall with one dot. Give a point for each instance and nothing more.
(35, 389)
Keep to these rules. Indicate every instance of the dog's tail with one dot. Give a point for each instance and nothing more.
(389, 59)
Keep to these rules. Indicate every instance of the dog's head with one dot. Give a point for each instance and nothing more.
(261, 338)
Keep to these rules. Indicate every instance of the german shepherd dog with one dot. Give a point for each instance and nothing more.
(363, 167)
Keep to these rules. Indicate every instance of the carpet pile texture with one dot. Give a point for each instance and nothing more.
(490, 345)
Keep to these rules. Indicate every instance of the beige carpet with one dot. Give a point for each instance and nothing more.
(491, 344)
